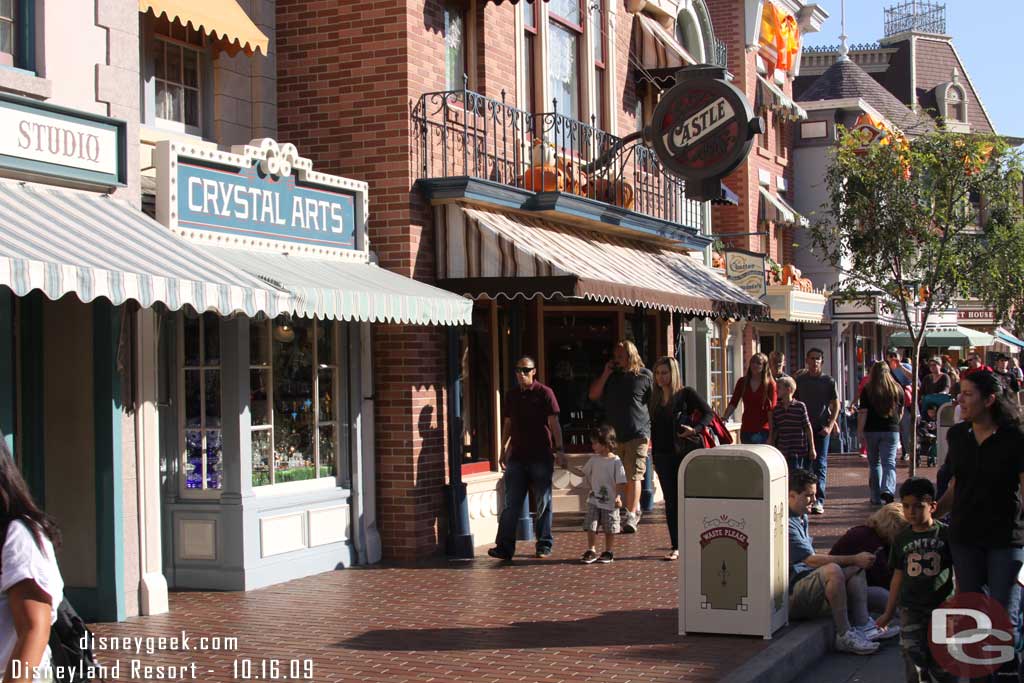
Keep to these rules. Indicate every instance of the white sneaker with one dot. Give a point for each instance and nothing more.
(853, 642)
(818, 508)
(872, 633)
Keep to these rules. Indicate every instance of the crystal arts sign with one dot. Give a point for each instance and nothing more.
(702, 129)
(261, 195)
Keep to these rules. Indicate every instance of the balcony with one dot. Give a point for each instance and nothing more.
(545, 162)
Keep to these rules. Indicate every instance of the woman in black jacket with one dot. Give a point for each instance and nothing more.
(986, 461)
(678, 415)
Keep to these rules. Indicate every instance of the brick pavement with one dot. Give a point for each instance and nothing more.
(535, 620)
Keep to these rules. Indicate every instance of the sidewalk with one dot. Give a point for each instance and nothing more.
(534, 620)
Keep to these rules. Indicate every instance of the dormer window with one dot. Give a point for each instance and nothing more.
(951, 98)
(956, 105)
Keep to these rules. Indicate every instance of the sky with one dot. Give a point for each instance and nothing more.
(986, 33)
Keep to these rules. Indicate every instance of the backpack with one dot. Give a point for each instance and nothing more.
(66, 652)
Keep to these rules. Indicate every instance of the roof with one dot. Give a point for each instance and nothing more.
(936, 59)
(844, 80)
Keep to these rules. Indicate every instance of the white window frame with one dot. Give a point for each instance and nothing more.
(585, 66)
(183, 428)
(335, 420)
(161, 41)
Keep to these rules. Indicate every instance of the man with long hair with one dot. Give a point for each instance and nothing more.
(624, 389)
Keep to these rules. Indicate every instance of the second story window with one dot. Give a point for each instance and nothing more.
(565, 34)
(455, 63)
(600, 63)
(177, 56)
(7, 32)
(530, 41)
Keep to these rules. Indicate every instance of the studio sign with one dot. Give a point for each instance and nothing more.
(702, 129)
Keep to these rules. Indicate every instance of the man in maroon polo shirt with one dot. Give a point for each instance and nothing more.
(531, 440)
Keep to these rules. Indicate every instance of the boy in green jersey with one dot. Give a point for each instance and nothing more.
(922, 578)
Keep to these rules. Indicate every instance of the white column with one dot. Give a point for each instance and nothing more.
(152, 585)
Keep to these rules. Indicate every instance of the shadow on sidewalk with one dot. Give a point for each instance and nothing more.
(610, 629)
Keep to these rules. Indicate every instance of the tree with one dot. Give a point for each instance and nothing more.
(901, 223)
(1001, 280)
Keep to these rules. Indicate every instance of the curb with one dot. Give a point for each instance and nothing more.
(787, 656)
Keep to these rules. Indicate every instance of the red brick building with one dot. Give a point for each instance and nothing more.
(477, 126)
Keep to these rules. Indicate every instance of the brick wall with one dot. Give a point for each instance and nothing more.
(348, 74)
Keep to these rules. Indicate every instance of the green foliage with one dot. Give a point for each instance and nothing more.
(900, 221)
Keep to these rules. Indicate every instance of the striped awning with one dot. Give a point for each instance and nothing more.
(68, 241)
(346, 290)
(1008, 338)
(784, 213)
(655, 48)
(489, 254)
(780, 99)
(223, 21)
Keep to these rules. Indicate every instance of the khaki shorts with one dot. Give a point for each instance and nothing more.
(633, 454)
(807, 601)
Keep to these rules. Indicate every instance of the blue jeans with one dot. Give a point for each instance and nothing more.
(881, 463)
(819, 466)
(753, 437)
(994, 570)
(521, 477)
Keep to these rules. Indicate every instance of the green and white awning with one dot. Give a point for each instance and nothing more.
(68, 241)
(346, 290)
(958, 337)
(62, 241)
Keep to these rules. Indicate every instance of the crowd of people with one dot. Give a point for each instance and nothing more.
(900, 565)
(963, 533)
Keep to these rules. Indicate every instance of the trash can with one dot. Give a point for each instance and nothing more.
(733, 541)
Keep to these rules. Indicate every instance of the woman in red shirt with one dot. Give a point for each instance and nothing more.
(758, 392)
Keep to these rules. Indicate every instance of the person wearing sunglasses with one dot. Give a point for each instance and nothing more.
(531, 438)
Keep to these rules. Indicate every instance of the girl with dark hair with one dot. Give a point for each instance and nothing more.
(759, 394)
(986, 461)
(878, 426)
(674, 433)
(31, 587)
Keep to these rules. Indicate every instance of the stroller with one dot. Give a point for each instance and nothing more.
(927, 428)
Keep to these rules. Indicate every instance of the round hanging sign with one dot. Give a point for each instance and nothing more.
(703, 127)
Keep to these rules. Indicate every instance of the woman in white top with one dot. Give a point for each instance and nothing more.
(31, 587)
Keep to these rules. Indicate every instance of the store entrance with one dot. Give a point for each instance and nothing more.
(577, 346)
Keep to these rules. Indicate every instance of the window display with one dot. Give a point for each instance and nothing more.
(293, 381)
(200, 347)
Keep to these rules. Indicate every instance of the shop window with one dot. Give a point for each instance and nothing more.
(576, 347)
(293, 402)
(476, 390)
(200, 409)
(178, 80)
(455, 53)
(722, 376)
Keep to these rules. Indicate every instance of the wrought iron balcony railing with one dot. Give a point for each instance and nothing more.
(462, 133)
